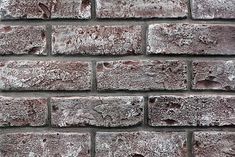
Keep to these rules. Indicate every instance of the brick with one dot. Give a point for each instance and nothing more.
(45, 9)
(44, 144)
(214, 144)
(97, 111)
(191, 39)
(142, 75)
(20, 40)
(141, 9)
(23, 111)
(211, 110)
(216, 75)
(213, 9)
(140, 144)
(45, 75)
(97, 40)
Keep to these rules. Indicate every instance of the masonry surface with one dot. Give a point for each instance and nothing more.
(117, 78)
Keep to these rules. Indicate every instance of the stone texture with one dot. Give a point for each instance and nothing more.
(211, 110)
(97, 111)
(45, 9)
(22, 40)
(97, 40)
(45, 75)
(213, 9)
(140, 144)
(23, 111)
(142, 75)
(214, 144)
(217, 75)
(191, 39)
(50, 144)
(141, 9)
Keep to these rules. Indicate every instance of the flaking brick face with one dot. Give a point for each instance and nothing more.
(117, 78)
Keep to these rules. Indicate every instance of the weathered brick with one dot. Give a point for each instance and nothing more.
(22, 40)
(141, 9)
(23, 111)
(97, 111)
(142, 75)
(214, 144)
(194, 110)
(140, 144)
(44, 144)
(213, 9)
(217, 75)
(97, 40)
(192, 39)
(45, 75)
(45, 9)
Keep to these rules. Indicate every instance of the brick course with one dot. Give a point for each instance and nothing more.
(117, 78)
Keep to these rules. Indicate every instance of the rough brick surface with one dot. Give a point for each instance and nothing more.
(97, 111)
(22, 40)
(214, 144)
(141, 75)
(140, 144)
(191, 110)
(217, 75)
(23, 111)
(191, 39)
(44, 9)
(45, 75)
(45, 144)
(141, 8)
(213, 9)
(97, 40)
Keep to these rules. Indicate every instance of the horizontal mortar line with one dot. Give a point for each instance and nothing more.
(117, 129)
(114, 21)
(48, 94)
(115, 58)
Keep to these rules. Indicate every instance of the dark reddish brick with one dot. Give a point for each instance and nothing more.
(97, 40)
(214, 144)
(50, 144)
(142, 75)
(217, 75)
(140, 144)
(44, 9)
(97, 111)
(193, 39)
(141, 8)
(45, 75)
(213, 9)
(194, 110)
(23, 111)
(22, 40)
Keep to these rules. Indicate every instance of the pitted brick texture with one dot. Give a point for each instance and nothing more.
(140, 144)
(213, 9)
(141, 8)
(195, 110)
(23, 111)
(45, 9)
(97, 111)
(97, 40)
(22, 40)
(214, 144)
(216, 75)
(191, 39)
(45, 75)
(142, 75)
(43, 144)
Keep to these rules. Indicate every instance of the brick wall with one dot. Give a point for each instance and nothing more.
(117, 78)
